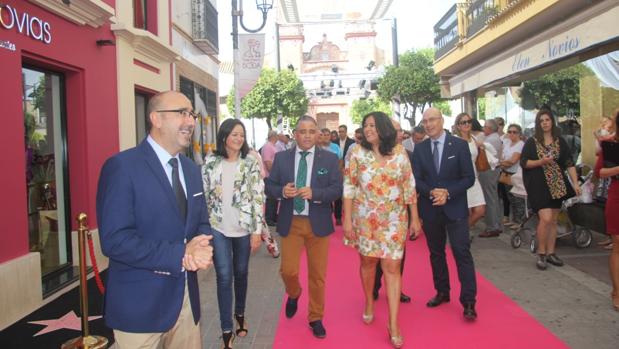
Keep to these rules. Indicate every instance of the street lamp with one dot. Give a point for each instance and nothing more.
(264, 6)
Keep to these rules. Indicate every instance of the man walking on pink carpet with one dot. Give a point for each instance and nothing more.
(307, 179)
(443, 172)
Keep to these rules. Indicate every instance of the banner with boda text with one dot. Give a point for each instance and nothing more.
(249, 63)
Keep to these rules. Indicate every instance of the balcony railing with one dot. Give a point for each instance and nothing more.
(204, 26)
(446, 33)
(477, 15)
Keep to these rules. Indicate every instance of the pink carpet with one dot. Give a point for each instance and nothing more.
(501, 322)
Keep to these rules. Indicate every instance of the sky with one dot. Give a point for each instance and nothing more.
(415, 20)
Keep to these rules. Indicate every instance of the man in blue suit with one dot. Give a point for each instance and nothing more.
(307, 179)
(152, 224)
(443, 172)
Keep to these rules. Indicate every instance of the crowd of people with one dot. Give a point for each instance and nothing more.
(162, 218)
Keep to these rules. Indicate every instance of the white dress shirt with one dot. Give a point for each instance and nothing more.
(164, 157)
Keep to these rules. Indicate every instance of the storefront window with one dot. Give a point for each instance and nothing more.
(204, 104)
(141, 116)
(139, 14)
(46, 168)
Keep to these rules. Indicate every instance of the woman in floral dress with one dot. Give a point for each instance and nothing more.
(379, 188)
(234, 193)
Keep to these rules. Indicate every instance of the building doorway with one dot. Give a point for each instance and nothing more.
(48, 210)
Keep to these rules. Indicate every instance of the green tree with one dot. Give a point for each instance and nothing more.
(362, 107)
(481, 108)
(559, 90)
(414, 81)
(274, 93)
(443, 106)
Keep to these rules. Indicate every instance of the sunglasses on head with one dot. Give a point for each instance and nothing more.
(465, 122)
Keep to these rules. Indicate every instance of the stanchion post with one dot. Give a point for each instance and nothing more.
(86, 340)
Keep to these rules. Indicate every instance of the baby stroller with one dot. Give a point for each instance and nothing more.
(581, 236)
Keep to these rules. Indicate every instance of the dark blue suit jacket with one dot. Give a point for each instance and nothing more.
(326, 184)
(143, 235)
(456, 175)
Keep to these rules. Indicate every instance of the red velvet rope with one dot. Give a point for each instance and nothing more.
(91, 250)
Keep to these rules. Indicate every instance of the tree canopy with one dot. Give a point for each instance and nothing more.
(559, 90)
(414, 81)
(274, 93)
(362, 107)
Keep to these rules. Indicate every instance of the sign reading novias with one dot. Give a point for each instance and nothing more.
(25, 24)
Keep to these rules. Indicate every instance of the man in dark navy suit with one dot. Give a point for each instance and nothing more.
(443, 172)
(307, 179)
(153, 226)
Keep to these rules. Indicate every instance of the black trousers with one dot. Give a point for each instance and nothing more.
(337, 209)
(270, 209)
(436, 236)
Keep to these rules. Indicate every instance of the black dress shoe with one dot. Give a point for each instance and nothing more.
(469, 312)
(541, 262)
(404, 298)
(554, 260)
(375, 294)
(439, 299)
(291, 306)
(318, 330)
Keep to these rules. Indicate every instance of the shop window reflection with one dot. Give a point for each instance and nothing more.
(45, 167)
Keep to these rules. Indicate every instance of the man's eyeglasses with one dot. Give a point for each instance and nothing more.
(184, 113)
(465, 122)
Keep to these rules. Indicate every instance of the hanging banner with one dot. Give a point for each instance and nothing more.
(199, 132)
(249, 62)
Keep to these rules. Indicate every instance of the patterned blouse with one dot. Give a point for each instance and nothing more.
(248, 191)
(380, 192)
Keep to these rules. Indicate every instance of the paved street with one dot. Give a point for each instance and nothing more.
(572, 301)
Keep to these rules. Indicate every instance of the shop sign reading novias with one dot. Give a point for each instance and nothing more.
(25, 24)
(544, 49)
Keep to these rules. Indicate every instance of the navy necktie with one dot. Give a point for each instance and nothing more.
(435, 157)
(177, 187)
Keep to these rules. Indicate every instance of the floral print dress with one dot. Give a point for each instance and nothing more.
(380, 193)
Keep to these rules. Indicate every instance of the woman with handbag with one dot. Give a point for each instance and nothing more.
(512, 148)
(544, 160)
(474, 195)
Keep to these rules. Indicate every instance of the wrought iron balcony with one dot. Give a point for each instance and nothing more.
(204, 26)
(477, 15)
(446, 33)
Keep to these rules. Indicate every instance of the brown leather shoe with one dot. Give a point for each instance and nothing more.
(489, 233)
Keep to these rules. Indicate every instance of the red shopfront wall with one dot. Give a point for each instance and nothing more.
(91, 112)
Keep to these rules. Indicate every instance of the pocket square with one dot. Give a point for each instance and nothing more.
(451, 157)
(198, 194)
(322, 171)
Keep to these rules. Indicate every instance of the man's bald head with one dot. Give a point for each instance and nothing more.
(158, 101)
(433, 122)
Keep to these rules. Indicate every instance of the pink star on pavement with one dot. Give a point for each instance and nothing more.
(70, 321)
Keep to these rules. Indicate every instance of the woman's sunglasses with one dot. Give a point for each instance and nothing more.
(465, 122)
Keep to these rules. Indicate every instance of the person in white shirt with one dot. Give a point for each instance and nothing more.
(510, 161)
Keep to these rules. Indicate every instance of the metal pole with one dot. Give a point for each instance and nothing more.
(81, 238)
(280, 117)
(86, 340)
(394, 41)
(235, 58)
(279, 67)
